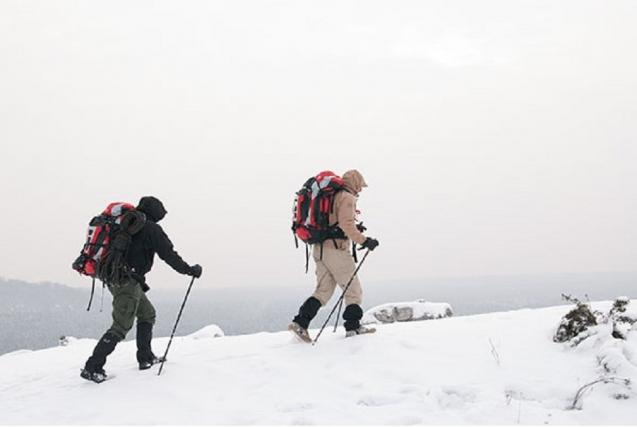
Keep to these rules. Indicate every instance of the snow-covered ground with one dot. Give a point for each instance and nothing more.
(493, 368)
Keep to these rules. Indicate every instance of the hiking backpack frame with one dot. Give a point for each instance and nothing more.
(312, 208)
(108, 238)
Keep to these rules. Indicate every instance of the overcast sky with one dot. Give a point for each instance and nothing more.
(497, 137)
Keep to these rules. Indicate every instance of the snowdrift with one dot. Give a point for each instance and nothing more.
(493, 368)
(210, 331)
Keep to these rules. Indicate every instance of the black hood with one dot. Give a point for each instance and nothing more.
(152, 207)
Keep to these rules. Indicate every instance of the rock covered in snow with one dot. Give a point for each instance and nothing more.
(207, 332)
(407, 312)
(64, 340)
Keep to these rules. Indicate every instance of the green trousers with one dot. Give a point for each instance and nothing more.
(129, 302)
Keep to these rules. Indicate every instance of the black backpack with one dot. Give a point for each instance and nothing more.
(109, 235)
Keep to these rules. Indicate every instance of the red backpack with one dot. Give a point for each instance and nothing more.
(106, 243)
(312, 208)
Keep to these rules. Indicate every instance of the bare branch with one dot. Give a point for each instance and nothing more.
(494, 352)
(607, 380)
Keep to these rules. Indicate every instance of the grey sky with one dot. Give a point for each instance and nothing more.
(496, 136)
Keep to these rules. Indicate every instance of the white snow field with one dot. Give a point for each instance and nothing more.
(493, 368)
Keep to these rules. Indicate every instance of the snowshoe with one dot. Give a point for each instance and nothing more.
(300, 332)
(360, 331)
(97, 377)
(147, 364)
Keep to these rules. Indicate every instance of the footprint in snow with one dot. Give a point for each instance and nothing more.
(412, 390)
(410, 345)
(455, 397)
(301, 421)
(380, 400)
(409, 420)
(296, 407)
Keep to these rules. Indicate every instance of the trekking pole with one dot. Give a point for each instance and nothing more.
(340, 307)
(340, 300)
(90, 301)
(338, 316)
(102, 301)
(183, 304)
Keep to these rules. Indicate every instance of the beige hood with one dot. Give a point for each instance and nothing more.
(354, 181)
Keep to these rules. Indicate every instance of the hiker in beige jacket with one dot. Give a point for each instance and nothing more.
(335, 263)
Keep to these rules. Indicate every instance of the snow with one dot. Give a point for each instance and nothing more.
(631, 309)
(491, 368)
(210, 331)
(407, 311)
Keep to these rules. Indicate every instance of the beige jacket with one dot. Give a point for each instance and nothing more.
(345, 208)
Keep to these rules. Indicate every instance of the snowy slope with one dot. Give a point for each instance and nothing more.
(439, 371)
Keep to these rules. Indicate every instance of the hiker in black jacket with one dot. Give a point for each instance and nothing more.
(129, 298)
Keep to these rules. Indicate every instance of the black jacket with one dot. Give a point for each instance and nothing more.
(151, 240)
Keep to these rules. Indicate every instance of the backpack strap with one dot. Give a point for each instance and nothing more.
(332, 201)
(307, 258)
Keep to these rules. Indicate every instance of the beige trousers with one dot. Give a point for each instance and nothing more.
(336, 267)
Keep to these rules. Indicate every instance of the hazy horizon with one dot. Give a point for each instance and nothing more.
(177, 282)
(35, 315)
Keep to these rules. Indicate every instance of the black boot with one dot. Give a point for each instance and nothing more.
(145, 356)
(307, 312)
(353, 314)
(94, 367)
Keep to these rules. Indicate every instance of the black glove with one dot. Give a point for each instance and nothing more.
(195, 271)
(370, 244)
(361, 227)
